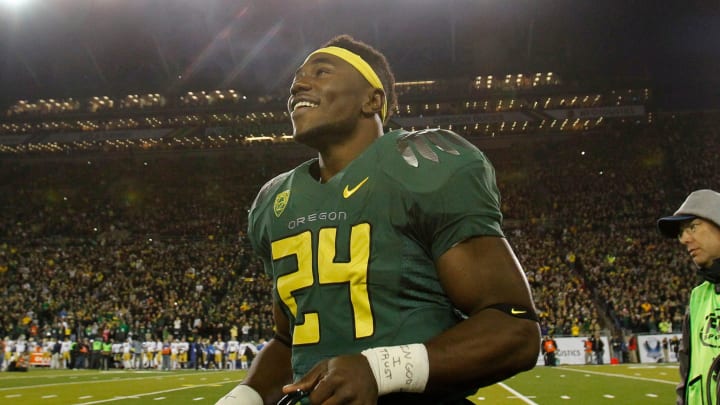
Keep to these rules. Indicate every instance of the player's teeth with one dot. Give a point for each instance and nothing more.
(304, 104)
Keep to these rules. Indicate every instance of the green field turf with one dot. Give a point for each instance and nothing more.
(586, 385)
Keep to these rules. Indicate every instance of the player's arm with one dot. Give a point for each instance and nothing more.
(270, 370)
(483, 278)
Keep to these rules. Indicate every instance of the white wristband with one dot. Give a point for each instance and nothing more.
(403, 368)
(241, 395)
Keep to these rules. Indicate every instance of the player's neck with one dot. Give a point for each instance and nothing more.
(334, 158)
(332, 162)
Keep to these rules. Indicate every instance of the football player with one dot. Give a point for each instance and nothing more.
(393, 281)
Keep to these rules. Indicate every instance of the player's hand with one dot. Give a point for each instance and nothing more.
(339, 380)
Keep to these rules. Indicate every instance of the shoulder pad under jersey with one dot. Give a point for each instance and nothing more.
(430, 144)
(424, 160)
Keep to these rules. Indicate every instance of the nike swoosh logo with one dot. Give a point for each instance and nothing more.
(350, 191)
(517, 311)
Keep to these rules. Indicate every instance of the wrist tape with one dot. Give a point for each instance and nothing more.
(241, 395)
(403, 368)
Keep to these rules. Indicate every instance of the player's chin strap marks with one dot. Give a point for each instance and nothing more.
(518, 311)
(241, 395)
(403, 368)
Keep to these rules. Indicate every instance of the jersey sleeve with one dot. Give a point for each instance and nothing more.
(466, 205)
(449, 189)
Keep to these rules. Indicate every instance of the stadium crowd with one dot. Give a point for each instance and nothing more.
(150, 245)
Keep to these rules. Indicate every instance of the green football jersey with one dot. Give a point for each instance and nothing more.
(352, 260)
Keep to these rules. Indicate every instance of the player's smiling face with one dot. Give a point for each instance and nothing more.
(326, 99)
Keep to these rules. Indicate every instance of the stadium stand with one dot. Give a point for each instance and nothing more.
(128, 219)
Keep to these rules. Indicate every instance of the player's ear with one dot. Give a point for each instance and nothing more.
(374, 102)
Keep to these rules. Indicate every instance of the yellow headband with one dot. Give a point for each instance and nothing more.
(363, 67)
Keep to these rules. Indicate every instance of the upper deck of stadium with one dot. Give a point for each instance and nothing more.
(483, 106)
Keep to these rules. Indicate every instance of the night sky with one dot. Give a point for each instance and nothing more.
(81, 48)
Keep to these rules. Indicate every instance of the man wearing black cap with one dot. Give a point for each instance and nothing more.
(696, 224)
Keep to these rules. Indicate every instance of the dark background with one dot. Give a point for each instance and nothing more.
(81, 48)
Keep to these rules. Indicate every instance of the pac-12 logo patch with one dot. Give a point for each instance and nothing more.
(281, 201)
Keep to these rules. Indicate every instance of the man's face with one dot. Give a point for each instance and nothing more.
(702, 240)
(326, 99)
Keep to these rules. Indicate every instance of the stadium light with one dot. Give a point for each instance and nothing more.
(15, 4)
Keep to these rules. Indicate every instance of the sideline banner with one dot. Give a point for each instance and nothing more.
(658, 348)
(39, 359)
(651, 349)
(571, 350)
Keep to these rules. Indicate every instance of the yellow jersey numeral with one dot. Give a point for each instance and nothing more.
(353, 272)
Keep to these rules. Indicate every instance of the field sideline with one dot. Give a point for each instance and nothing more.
(588, 385)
